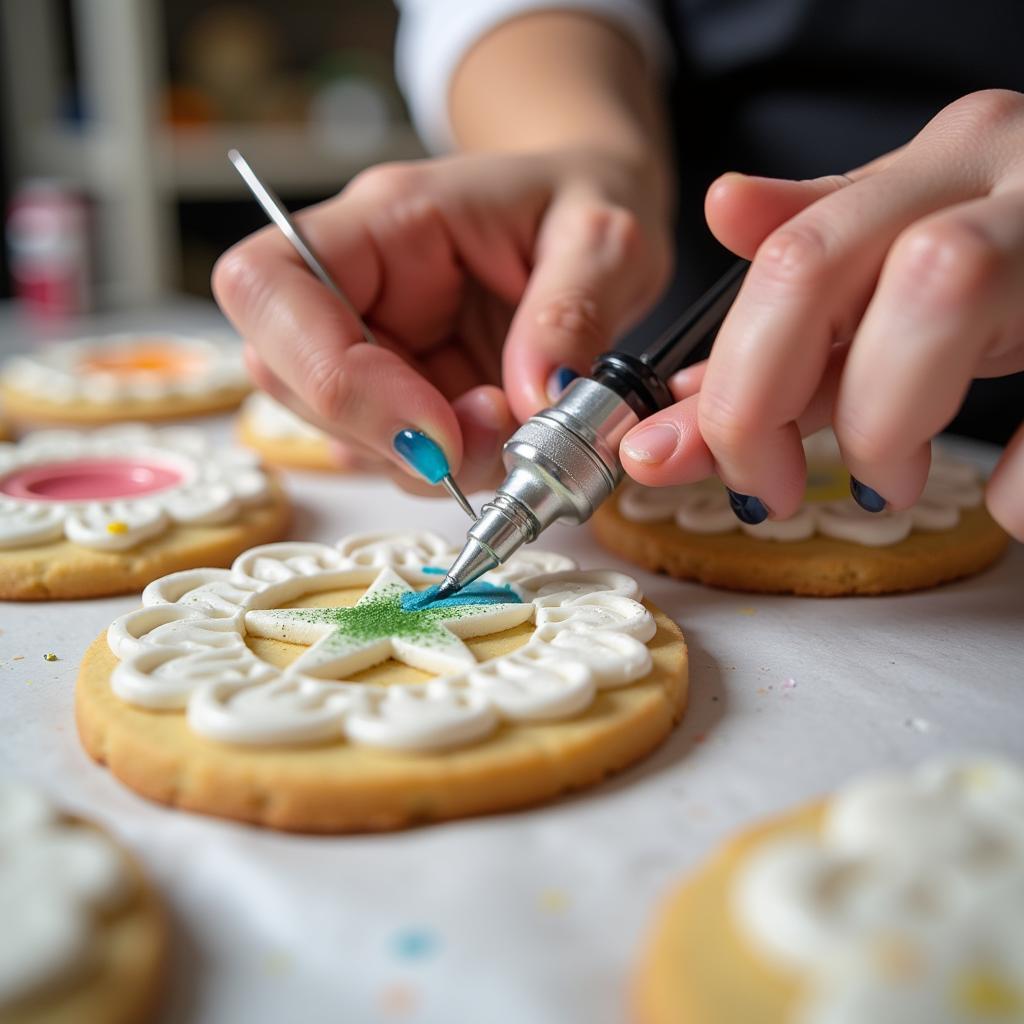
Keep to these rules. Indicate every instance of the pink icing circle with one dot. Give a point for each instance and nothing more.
(89, 480)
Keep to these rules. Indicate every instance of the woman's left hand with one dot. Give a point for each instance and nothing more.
(871, 302)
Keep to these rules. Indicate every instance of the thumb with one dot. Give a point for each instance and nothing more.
(743, 210)
(594, 273)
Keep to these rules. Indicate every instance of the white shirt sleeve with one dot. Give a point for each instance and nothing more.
(433, 36)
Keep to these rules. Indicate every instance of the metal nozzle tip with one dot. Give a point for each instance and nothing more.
(447, 588)
(456, 492)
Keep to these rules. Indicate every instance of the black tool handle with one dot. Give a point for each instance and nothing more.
(640, 379)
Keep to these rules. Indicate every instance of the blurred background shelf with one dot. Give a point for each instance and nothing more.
(135, 103)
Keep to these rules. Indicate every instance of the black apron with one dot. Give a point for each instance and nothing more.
(801, 88)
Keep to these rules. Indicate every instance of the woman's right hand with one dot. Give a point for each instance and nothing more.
(483, 277)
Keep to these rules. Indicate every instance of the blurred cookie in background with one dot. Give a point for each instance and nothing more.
(281, 438)
(130, 376)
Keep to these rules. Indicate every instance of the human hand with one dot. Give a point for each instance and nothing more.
(443, 259)
(871, 302)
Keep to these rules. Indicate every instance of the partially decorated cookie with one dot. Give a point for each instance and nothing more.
(280, 437)
(82, 515)
(830, 547)
(122, 377)
(319, 688)
(82, 936)
(898, 901)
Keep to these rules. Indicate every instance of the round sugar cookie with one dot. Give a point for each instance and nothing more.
(119, 377)
(900, 900)
(310, 689)
(84, 937)
(84, 515)
(830, 547)
(280, 437)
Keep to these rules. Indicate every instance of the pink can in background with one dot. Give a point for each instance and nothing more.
(49, 250)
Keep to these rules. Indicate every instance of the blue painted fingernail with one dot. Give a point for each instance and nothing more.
(867, 497)
(559, 381)
(423, 454)
(748, 509)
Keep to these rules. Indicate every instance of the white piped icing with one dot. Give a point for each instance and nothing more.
(268, 418)
(908, 908)
(215, 486)
(186, 647)
(59, 373)
(704, 507)
(55, 881)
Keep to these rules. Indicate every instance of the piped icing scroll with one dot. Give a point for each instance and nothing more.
(186, 648)
(113, 489)
(907, 908)
(127, 367)
(57, 880)
(828, 508)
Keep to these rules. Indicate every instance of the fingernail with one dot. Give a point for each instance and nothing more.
(867, 497)
(651, 442)
(748, 509)
(423, 454)
(559, 381)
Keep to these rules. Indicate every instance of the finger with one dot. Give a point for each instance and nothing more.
(1004, 494)
(807, 287)
(742, 209)
(312, 343)
(950, 286)
(486, 422)
(676, 452)
(687, 382)
(594, 273)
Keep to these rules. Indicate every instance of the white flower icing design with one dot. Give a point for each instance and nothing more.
(171, 475)
(270, 419)
(56, 880)
(73, 371)
(909, 907)
(704, 507)
(186, 647)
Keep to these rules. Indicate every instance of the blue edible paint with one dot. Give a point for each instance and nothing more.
(434, 570)
(475, 593)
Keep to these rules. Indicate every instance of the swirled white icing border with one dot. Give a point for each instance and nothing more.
(55, 374)
(185, 649)
(703, 508)
(217, 485)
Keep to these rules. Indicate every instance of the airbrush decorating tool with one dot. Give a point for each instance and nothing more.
(563, 462)
(420, 451)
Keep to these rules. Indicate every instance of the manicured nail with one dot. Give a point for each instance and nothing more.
(423, 454)
(867, 497)
(652, 443)
(748, 509)
(559, 381)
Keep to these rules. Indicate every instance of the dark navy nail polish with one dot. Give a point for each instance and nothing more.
(748, 509)
(867, 497)
(559, 380)
(423, 454)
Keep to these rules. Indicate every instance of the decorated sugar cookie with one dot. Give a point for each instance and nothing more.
(317, 688)
(82, 515)
(830, 547)
(281, 437)
(122, 377)
(83, 937)
(898, 901)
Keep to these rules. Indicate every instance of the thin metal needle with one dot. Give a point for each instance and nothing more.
(274, 209)
(456, 492)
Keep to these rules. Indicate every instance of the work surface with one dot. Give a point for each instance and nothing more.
(535, 916)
